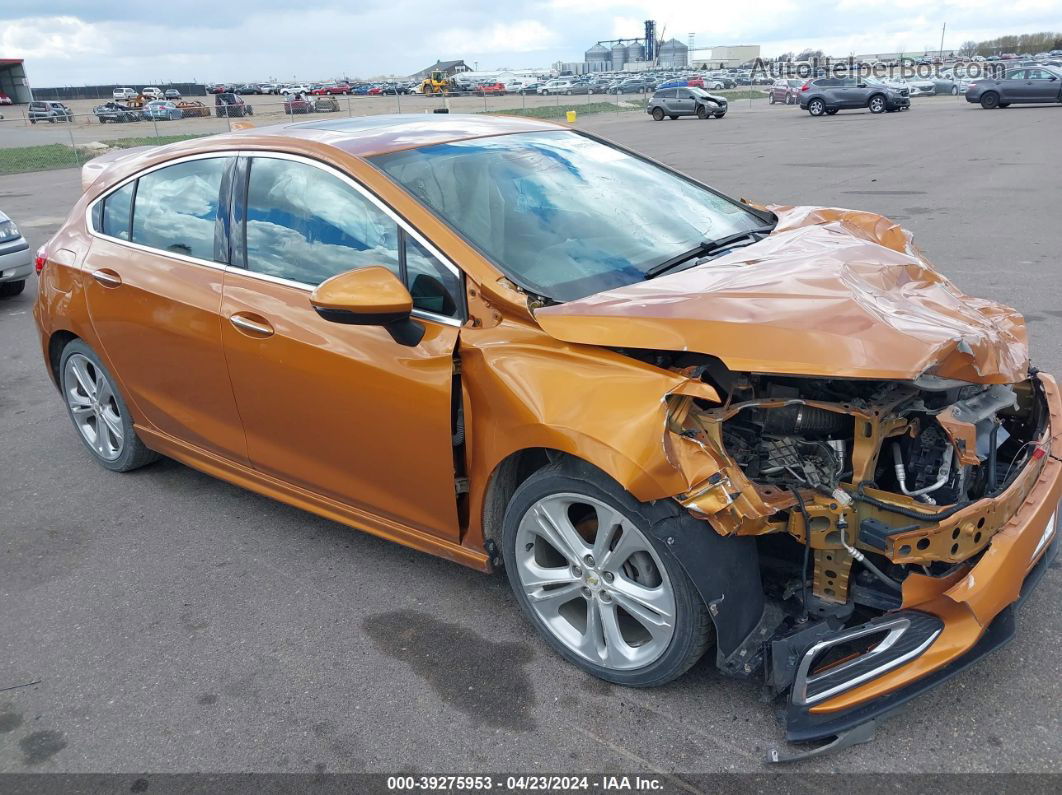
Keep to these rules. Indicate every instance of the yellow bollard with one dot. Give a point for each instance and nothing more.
(571, 117)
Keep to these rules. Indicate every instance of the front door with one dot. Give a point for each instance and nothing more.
(344, 411)
(153, 288)
(1041, 86)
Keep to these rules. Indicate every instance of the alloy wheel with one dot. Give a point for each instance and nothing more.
(93, 406)
(595, 582)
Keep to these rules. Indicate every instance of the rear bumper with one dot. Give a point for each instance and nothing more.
(16, 261)
(956, 619)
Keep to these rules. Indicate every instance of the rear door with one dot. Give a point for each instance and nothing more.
(1013, 87)
(341, 410)
(155, 272)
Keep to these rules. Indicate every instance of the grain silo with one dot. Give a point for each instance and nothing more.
(619, 56)
(674, 53)
(635, 52)
(597, 58)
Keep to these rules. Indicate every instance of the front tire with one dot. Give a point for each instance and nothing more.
(658, 114)
(98, 411)
(877, 104)
(601, 589)
(702, 112)
(770, 98)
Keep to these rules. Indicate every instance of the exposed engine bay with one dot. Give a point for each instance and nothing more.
(870, 479)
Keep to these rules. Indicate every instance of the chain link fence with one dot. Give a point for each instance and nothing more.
(52, 134)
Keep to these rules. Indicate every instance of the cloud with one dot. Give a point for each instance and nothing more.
(527, 35)
(67, 42)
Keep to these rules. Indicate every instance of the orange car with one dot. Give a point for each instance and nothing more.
(679, 421)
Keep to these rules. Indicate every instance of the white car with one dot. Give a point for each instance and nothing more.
(555, 87)
(16, 260)
(152, 92)
(922, 88)
(123, 93)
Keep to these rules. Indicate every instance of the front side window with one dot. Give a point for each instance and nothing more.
(308, 225)
(176, 207)
(561, 214)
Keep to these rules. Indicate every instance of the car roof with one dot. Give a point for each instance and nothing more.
(363, 136)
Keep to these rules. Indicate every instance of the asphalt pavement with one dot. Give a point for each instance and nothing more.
(165, 621)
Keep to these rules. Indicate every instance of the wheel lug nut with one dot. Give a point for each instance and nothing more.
(609, 576)
(577, 571)
(589, 560)
(586, 592)
(605, 596)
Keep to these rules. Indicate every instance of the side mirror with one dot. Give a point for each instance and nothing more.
(861, 85)
(369, 296)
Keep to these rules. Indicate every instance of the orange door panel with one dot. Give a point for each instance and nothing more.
(157, 319)
(343, 411)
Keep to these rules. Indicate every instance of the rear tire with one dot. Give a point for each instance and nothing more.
(11, 289)
(990, 100)
(770, 98)
(817, 107)
(832, 111)
(87, 385)
(1004, 104)
(544, 534)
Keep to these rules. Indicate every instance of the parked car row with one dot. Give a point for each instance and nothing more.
(147, 93)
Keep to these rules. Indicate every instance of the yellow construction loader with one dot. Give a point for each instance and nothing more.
(437, 83)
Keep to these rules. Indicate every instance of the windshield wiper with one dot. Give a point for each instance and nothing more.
(705, 248)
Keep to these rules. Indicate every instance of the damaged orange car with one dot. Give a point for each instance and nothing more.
(680, 422)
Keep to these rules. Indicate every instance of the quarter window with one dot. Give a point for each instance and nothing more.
(307, 225)
(434, 287)
(176, 208)
(116, 208)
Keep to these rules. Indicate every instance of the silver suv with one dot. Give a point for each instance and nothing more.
(49, 111)
(685, 101)
(827, 95)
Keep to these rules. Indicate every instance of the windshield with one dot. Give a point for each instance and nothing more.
(561, 214)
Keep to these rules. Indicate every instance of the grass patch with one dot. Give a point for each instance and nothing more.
(560, 111)
(151, 140)
(46, 157)
(36, 158)
(742, 93)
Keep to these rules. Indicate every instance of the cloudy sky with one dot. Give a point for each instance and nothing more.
(72, 42)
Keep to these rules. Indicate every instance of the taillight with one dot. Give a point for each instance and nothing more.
(42, 257)
(806, 87)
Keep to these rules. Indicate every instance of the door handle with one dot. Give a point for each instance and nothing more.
(107, 277)
(253, 328)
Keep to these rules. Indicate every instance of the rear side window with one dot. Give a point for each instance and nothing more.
(116, 212)
(176, 208)
(307, 225)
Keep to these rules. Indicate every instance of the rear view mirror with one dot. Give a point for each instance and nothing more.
(369, 296)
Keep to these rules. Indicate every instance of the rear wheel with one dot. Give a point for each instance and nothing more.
(98, 411)
(600, 588)
(990, 100)
(1004, 104)
(789, 99)
(658, 114)
(816, 107)
(832, 111)
(672, 117)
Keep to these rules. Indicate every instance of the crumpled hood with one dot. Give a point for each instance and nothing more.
(830, 292)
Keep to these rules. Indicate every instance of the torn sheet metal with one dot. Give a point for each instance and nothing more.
(830, 292)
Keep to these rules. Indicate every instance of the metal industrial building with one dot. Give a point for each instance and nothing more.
(13, 80)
